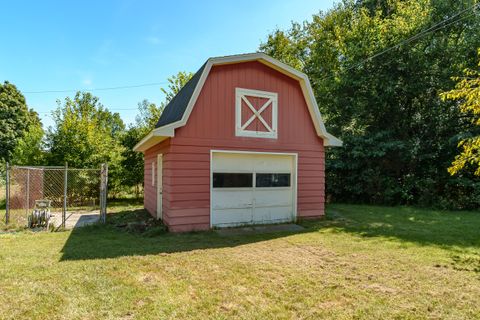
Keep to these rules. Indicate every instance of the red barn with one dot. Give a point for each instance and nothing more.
(243, 142)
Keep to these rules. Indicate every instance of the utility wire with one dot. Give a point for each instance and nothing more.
(459, 19)
(433, 28)
(109, 109)
(100, 89)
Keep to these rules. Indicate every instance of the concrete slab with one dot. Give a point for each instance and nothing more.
(75, 220)
(260, 229)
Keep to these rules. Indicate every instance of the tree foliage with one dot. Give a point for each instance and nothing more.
(85, 135)
(30, 149)
(132, 162)
(175, 83)
(467, 91)
(14, 119)
(145, 121)
(148, 115)
(399, 136)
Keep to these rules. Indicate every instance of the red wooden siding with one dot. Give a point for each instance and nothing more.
(186, 167)
(186, 160)
(150, 192)
(256, 125)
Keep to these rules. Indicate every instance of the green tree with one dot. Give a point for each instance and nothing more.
(398, 134)
(149, 113)
(467, 92)
(145, 121)
(132, 162)
(85, 135)
(175, 83)
(14, 119)
(30, 149)
(84, 132)
(290, 46)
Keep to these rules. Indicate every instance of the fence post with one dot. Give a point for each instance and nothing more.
(7, 196)
(103, 192)
(65, 181)
(106, 193)
(100, 200)
(27, 191)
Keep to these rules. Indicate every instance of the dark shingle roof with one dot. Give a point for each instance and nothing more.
(175, 109)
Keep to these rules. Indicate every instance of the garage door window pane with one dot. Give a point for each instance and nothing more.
(267, 180)
(232, 180)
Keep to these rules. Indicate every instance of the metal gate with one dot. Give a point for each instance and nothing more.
(74, 196)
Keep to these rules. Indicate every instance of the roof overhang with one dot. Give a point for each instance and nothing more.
(161, 133)
(155, 136)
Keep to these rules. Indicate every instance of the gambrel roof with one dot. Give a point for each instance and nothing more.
(176, 113)
(175, 109)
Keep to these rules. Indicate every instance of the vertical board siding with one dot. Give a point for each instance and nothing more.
(186, 180)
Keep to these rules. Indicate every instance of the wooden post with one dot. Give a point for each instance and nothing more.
(27, 195)
(100, 200)
(103, 192)
(65, 182)
(7, 195)
(106, 193)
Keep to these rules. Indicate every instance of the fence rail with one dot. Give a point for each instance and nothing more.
(69, 191)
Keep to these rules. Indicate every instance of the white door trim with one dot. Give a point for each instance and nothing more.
(294, 172)
(159, 188)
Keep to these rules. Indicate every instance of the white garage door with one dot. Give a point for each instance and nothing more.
(249, 188)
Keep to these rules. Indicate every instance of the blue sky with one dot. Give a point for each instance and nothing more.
(74, 45)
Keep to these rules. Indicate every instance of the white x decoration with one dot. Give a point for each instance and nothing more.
(242, 98)
(257, 114)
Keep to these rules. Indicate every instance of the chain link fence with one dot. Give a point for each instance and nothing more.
(73, 196)
(3, 184)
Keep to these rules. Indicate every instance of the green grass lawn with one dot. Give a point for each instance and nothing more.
(360, 262)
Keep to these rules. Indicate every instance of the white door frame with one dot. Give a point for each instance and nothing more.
(159, 188)
(294, 172)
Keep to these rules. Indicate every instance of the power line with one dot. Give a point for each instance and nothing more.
(99, 89)
(437, 27)
(460, 19)
(433, 28)
(109, 109)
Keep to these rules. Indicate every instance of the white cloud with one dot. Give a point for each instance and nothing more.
(87, 82)
(153, 40)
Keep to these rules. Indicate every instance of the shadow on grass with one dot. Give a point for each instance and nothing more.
(421, 226)
(109, 241)
(457, 231)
